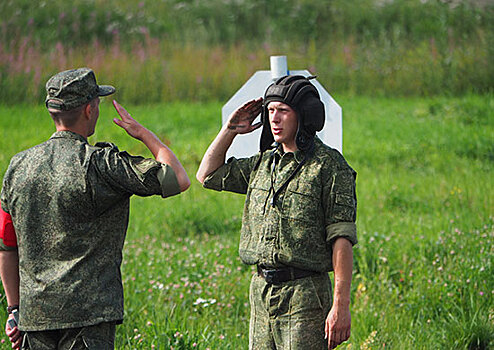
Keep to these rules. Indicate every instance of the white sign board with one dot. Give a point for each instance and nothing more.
(247, 145)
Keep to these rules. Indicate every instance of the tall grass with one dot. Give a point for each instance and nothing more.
(423, 273)
(229, 22)
(173, 50)
(155, 70)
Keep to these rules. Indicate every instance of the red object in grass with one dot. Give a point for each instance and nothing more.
(7, 232)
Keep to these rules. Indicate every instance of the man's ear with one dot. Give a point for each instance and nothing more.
(88, 110)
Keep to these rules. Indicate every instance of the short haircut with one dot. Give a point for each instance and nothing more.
(70, 117)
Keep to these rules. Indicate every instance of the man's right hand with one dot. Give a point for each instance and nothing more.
(128, 123)
(240, 121)
(14, 334)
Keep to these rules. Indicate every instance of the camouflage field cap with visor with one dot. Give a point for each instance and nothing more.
(72, 88)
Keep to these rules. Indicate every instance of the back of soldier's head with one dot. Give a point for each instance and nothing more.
(68, 92)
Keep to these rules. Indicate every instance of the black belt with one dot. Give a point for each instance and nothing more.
(284, 274)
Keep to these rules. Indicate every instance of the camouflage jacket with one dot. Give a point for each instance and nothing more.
(69, 203)
(298, 228)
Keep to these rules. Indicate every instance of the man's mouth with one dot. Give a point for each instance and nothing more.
(276, 131)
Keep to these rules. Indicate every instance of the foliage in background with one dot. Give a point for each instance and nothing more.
(229, 22)
(423, 273)
(204, 50)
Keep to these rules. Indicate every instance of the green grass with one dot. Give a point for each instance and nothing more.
(423, 274)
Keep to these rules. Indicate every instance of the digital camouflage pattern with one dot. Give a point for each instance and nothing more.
(97, 337)
(72, 88)
(318, 206)
(291, 315)
(69, 203)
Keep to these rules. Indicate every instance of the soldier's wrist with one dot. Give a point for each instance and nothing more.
(12, 308)
(341, 301)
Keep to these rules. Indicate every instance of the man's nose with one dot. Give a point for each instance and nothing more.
(275, 116)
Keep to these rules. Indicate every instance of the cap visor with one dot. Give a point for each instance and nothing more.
(105, 90)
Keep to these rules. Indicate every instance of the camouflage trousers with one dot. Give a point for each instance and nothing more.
(97, 337)
(290, 315)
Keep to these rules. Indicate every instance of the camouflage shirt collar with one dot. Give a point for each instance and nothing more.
(298, 155)
(68, 135)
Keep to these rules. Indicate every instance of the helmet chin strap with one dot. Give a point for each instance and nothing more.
(303, 139)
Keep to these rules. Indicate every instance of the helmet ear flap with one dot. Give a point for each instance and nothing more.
(267, 138)
(313, 114)
(303, 139)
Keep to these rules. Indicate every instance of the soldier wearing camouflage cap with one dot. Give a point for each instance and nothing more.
(299, 218)
(68, 202)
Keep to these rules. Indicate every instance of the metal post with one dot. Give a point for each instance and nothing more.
(279, 67)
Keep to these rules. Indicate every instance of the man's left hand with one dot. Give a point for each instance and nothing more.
(14, 334)
(338, 324)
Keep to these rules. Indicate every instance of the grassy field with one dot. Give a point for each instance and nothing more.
(424, 267)
(205, 49)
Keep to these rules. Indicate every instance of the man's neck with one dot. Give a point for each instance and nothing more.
(75, 129)
(292, 147)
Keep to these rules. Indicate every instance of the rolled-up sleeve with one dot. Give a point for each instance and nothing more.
(168, 180)
(341, 212)
(346, 230)
(233, 176)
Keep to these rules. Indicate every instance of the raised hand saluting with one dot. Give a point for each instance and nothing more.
(240, 121)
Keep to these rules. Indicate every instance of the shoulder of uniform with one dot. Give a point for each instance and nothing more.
(100, 145)
(102, 151)
(331, 156)
(327, 153)
(264, 155)
(30, 152)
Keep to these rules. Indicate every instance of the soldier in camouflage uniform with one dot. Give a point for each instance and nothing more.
(69, 204)
(299, 218)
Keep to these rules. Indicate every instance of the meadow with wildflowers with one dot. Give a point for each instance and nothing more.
(203, 50)
(423, 272)
(424, 267)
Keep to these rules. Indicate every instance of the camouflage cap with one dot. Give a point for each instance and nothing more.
(72, 88)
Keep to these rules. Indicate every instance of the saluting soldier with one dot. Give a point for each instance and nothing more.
(298, 221)
(69, 204)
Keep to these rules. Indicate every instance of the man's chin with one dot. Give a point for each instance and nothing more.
(278, 138)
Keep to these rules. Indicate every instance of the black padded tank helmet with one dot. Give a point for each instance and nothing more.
(299, 93)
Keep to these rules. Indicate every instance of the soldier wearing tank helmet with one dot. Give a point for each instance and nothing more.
(63, 219)
(299, 218)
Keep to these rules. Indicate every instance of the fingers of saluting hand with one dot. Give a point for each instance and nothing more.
(256, 126)
(241, 119)
(127, 121)
(252, 113)
(122, 112)
(253, 107)
(255, 103)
